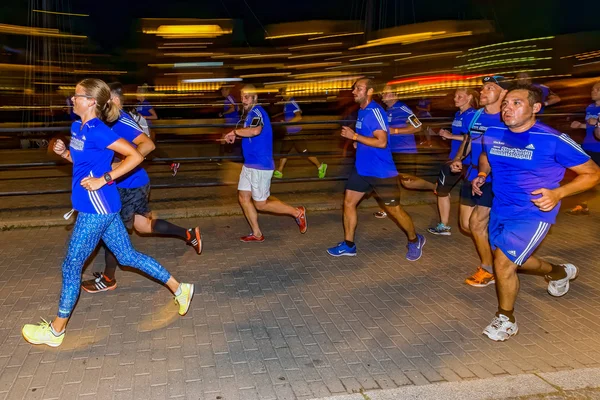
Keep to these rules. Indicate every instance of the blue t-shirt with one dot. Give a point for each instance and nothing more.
(422, 106)
(397, 117)
(234, 117)
(525, 162)
(258, 150)
(92, 158)
(478, 130)
(590, 143)
(144, 108)
(289, 112)
(460, 126)
(372, 161)
(128, 129)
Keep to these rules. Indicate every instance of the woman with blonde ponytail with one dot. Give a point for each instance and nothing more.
(96, 199)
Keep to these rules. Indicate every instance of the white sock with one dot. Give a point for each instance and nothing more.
(178, 291)
(54, 332)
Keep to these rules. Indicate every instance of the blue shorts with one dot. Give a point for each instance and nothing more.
(517, 239)
(467, 198)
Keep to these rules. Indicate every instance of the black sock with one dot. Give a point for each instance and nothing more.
(111, 264)
(558, 272)
(349, 243)
(507, 313)
(415, 240)
(166, 228)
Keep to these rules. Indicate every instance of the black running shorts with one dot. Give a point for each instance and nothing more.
(447, 180)
(134, 201)
(467, 198)
(300, 145)
(387, 189)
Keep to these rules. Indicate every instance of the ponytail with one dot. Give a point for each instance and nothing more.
(106, 110)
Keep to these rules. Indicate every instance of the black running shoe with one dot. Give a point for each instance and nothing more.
(100, 284)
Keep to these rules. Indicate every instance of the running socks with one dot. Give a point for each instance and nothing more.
(54, 332)
(349, 243)
(489, 269)
(163, 227)
(178, 291)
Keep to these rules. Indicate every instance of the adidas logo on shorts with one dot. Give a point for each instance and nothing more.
(530, 147)
(512, 253)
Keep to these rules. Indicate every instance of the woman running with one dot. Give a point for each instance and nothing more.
(96, 198)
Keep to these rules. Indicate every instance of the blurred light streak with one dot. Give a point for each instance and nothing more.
(312, 65)
(511, 42)
(507, 54)
(500, 62)
(332, 53)
(258, 66)
(337, 35)
(199, 80)
(289, 35)
(61, 13)
(188, 31)
(190, 54)
(103, 72)
(425, 73)
(589, 63)
(309, 46)
(469, 54)
(378, 56)
(181, 47)
(265, 75)
(356, 65)
(272, 55)
(431, 55)
(398, 39)
(33, 31)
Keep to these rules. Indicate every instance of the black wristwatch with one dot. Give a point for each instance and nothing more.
(108, 179)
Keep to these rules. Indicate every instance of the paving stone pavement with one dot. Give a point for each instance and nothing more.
(283, 320)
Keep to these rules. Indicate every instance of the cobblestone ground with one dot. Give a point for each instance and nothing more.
(283, 320)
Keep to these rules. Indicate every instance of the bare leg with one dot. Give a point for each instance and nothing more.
(275, 206)
(245, 199)
(478, 224)
(282, 163)
(351, 200)
(507, 281)
(414, 183)
(444, 209)
(465, 213)
(403, 220)
(315, 161)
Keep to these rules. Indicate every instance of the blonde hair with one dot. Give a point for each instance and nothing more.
(106, 110)
(474, 103)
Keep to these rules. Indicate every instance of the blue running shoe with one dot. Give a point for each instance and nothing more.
(415, 250)
(342, 249)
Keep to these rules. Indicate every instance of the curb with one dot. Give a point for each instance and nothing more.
(548, 383)
(199, 212)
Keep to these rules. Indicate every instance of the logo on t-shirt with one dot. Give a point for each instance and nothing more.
(77, 144)
(358, 124)
(520, 154)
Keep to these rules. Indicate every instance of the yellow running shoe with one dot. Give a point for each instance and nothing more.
(41, 334)
(481, 278)
(185, 298)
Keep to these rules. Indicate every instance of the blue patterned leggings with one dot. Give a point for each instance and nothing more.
(89, 229)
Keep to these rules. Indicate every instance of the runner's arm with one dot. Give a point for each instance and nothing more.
(144, 144)
(409, 130)
(379, 139)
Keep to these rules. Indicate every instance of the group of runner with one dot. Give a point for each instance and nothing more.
(510, 165)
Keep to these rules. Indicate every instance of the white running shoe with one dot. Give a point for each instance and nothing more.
(501, 328)
(560, 287)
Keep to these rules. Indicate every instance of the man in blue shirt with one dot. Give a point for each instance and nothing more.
(528, 160)
(591, 142)
(474, 212)
(254, 188)
(403, 124)
(548, 96)
(374, 170)
(293, 113)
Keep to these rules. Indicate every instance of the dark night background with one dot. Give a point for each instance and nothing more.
(112, 22)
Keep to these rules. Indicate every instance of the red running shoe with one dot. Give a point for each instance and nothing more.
(301, 220)
(252, 238)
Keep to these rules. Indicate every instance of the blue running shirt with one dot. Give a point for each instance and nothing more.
(372, 161)
(258, 150)
(129, 130)
(289, 112)
(144, 108)
(527, 161)
(590, 143)
(397, 117)
(478, 130)
(234, 117)
(460, 126)
(92, 158)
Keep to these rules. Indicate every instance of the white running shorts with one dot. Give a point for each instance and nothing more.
(257, 181)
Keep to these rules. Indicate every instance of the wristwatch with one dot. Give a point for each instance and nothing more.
(108, 179)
